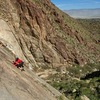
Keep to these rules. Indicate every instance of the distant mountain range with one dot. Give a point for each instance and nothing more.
(84, 13)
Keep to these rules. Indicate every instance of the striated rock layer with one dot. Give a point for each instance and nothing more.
(45, 37)
(18, 85)
(41, 34)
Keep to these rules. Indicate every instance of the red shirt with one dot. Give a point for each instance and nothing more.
(18, 61)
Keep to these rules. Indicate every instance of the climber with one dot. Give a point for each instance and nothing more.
(19, 63)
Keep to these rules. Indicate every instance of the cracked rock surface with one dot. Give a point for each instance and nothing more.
(17, 85)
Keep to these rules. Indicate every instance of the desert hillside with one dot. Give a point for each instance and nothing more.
(41, 34)
(45, 37)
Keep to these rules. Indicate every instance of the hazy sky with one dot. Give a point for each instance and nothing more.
(76, 4)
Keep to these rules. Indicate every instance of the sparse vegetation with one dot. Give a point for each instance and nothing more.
(73, 87)
(62, 97)
(92, 25)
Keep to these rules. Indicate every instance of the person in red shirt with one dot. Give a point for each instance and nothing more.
(19, 63)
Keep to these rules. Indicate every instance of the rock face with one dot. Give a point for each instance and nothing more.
(17, 85)
(41, 34)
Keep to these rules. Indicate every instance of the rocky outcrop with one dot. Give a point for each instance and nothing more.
(17, 85)
(44, 36)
